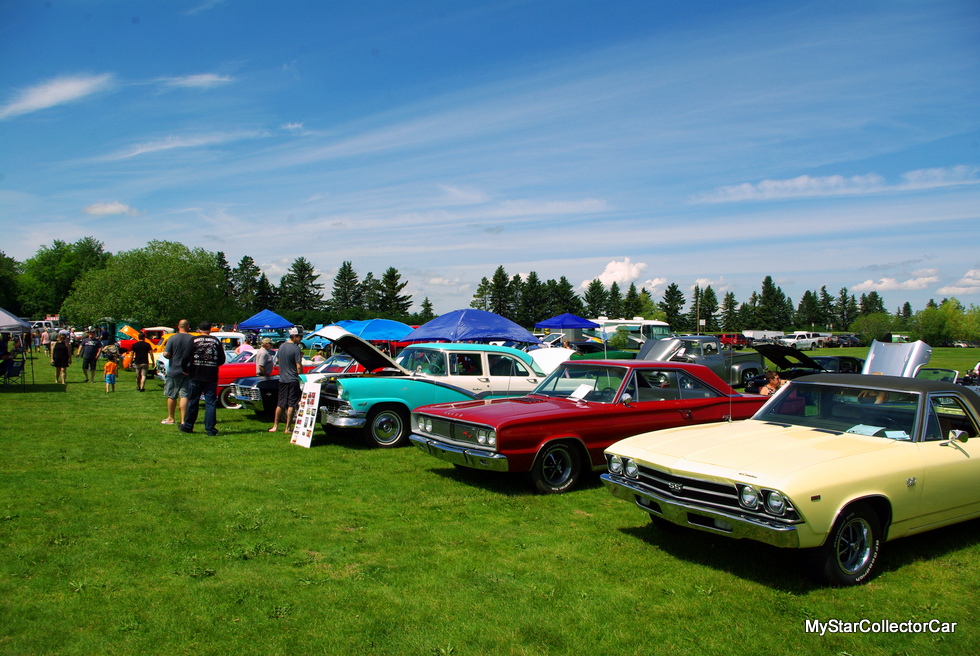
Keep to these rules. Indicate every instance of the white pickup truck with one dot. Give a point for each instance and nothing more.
(802, 341)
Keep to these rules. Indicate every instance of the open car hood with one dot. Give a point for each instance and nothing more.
(787, 357)
(363, 352)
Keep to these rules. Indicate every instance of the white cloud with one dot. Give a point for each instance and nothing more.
(59, 91)
(106, 209)
(463, 195)
(806, 186)
(621, 272)
(655, 285)
(968, 284)
(922, 280)
(199, 81)
(292, 127)
(184, 141)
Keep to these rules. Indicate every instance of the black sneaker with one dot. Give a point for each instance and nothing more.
(184, 429)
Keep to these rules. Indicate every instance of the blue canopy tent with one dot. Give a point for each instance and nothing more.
(265, 320)
(566, 322)
(378, 330)
(471, 325)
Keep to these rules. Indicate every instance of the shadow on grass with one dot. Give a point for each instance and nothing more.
(787, 569)
(507, 483)
(35, 388)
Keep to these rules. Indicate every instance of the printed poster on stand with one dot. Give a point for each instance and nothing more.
(309, 405)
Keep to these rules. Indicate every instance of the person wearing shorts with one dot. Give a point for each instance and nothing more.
(142, 359)
(176, 386)
(89, 350)
(290, 358)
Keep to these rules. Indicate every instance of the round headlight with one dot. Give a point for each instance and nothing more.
(427, 424)
(775, 503)
(492, 438)
(481, 436)
(748, 497)
(630, 468)
(615, 464)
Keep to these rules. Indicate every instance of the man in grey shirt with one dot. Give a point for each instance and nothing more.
(177, 384)
(290, 359)
(263, 359)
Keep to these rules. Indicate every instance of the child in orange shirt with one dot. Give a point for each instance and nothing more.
(111, 369)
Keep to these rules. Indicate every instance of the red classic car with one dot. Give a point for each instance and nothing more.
(582, 407)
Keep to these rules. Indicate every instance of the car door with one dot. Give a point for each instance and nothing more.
(508, 376)
(467, 369)
(950, 489)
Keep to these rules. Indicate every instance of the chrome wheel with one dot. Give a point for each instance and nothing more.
(386, 428)
(557, 468)
(226, 400)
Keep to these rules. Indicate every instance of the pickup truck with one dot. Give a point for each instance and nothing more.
(802, 341)
(735, 368)
(734, 340)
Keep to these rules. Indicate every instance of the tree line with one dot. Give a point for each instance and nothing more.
(167, 281)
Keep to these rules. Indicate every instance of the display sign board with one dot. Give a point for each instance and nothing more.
(309, 405)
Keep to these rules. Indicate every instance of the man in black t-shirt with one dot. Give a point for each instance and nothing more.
(142, 359)
(89, 350)
(201, 366)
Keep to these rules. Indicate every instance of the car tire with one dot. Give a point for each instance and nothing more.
(851, 551)
(226, 400)
(557, 469)
(747, 377)
(386, 427)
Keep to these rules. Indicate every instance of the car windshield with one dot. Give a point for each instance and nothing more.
(423, 361)
(244, 356)
(334, 364)
(859, 410)
(588, 382)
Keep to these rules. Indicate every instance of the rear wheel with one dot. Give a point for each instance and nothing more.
(386, 427)
(228, 401)
(557, 468)
(747, 377)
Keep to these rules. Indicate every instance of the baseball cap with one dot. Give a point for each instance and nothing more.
(295, 331)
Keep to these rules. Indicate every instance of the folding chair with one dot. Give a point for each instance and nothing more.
(15, 373)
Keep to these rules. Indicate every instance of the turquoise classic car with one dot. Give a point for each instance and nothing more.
(380, 401)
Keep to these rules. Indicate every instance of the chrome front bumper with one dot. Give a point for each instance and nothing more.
(710, 521)
(473, 458)
(340, 420)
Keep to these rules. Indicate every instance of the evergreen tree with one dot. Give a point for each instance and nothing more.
(562, 298)
(298, 289)
(648, 308)
(395, 303)
(244, 282)
(871, 303)
(729, 314)
(632, 305)
(826, 302)
(672, 305)
(481, 299)
(694, 313)
(226, 271)
(515, 291)
(808, 313)
(533, 304)
(595, 298)
(371, 296)
(500, 293)
(347, 292)
(748, 311)
(709, 309)
(771, 313)
(614, 302)
(266, 296)
(845, 308)
(426, 315)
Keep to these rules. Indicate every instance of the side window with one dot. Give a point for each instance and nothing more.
(465, 364)
(657, 386)
(947, 413)
(692, 388)
(504, 365)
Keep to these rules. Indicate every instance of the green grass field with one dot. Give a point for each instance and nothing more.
(122, 536)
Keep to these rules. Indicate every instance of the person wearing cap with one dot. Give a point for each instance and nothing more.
(290, 360)
(89, 349)
(263, 359)
(201, 366)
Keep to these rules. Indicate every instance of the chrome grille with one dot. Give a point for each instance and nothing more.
(454, 430)
(707, 494)
(250, 393)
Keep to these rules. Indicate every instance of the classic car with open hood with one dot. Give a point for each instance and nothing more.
(379, 402)
(558, 431)
(837, 464)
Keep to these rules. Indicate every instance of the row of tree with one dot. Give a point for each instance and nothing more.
(166, 281)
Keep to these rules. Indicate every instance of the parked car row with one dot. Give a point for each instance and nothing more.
(835, 463)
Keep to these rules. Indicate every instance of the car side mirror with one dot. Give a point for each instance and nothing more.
(626, 400)
(958, 436)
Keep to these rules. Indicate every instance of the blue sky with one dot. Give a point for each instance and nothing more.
(821, 143)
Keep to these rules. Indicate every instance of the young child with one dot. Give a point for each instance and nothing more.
(111, 369)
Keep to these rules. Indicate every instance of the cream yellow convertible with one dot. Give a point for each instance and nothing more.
(836, 463)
